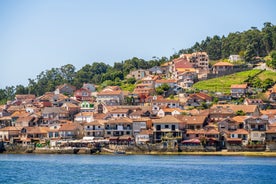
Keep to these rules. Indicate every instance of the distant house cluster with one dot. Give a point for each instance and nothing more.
(143, 116)
(106, 116)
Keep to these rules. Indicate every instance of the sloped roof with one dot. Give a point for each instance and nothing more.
(11, 128)
(271, 130)
(54, 110)
(239, 86)
(119, 120)
(119, 110)
(192, 120)
(239, 119)
(85, 114)
(240, 131)
(223, 64)
(269, 112)
(182, 63)
(166, 119)
(69, 127)
(166, 81)
(235, 108)
(37, 130)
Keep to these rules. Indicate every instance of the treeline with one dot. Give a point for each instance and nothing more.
(96, 73)
(248, 44)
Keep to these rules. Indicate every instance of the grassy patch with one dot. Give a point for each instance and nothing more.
(267, 74)
(223, 84)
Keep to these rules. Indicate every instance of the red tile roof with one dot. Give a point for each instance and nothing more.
(166, 119)
(240, 131)
(239, 86)
(223, 64)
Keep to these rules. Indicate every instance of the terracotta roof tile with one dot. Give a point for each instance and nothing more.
(69, 127)
(166, 119)
(223, 64)
(239, 86)
(192, 120)
(119, 120)
(240, 131)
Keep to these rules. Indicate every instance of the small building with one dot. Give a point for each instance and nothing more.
(238, 90)
(83, 94)
(197, 59)
(138, 74)
(87, 106)
(141, 124)
(9, 133)
(120, 112)
(94, 129)
(143, 137)
(234, 58)
(197, 99)
(166, 125)
(257, 127)
(89, 87)
(239, 136)
(54, 113)
(171, 82)
(70, 131)
(83, 117)
(222, 67)
(156, 70)
(119, 127)
(271, 94)
(112, 95)
(66, 89)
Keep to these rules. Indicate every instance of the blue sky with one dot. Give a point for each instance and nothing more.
(39, 35)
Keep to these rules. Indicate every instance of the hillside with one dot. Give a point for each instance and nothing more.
(222, 84)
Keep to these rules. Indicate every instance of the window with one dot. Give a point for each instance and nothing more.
(173, 127)
(166, 126)
(108, 133)
(158, 127)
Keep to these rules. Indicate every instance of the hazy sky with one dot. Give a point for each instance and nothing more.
(39, 35)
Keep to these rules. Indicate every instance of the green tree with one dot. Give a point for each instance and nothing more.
(267, 83)
(20, 89)
(249, 53)
(131, 80)
(9, 92)
(240, 113)
(159, 91)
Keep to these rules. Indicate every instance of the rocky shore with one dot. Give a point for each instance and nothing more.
(133, 150)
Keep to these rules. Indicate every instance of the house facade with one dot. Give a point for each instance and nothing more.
(118, 127)
(164, 126)
(238, 90)
(222, 67)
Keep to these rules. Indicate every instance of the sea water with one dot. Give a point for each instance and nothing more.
(54, 169)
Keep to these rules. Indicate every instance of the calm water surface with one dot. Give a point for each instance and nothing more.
(135, 169)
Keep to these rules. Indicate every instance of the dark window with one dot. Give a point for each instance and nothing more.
(173, 127)
(158, 127)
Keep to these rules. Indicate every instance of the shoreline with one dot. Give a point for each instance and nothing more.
(257, 154)
(217, 153)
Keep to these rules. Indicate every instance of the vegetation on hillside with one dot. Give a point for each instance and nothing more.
(255, 78)
(248, 44)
